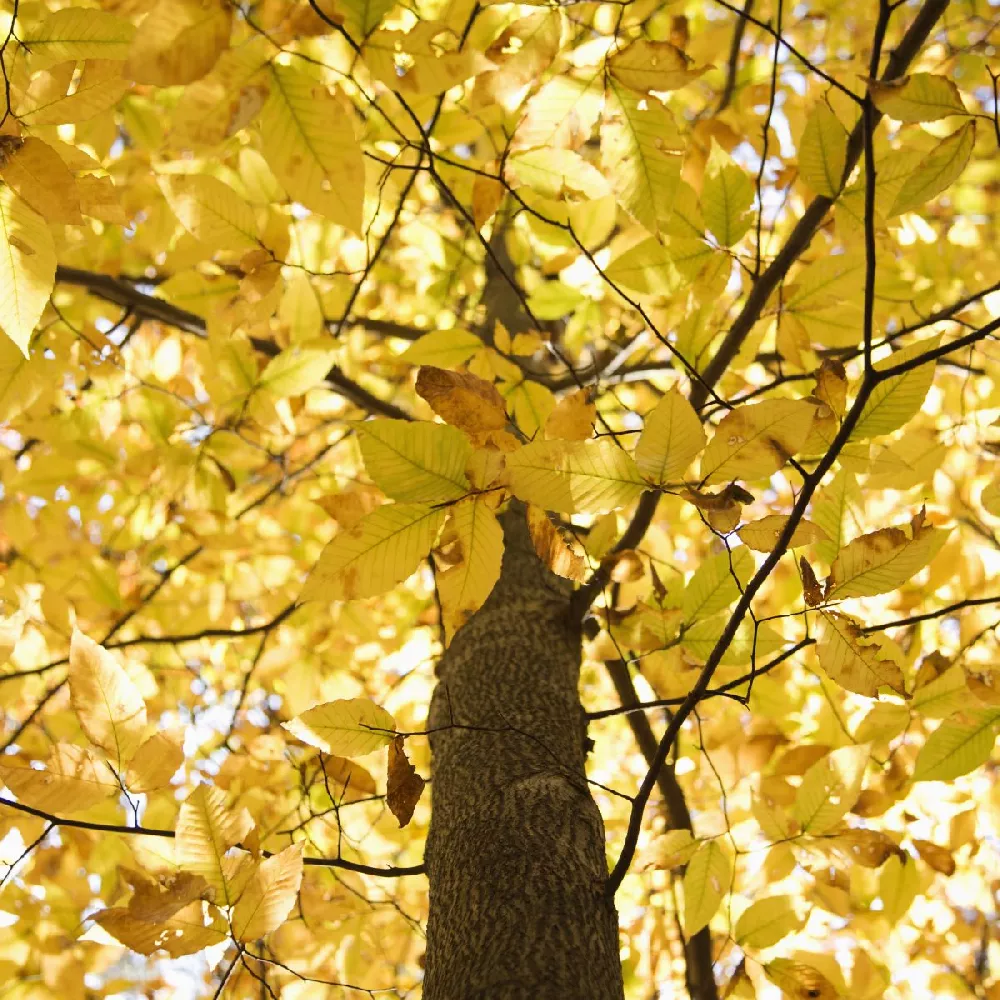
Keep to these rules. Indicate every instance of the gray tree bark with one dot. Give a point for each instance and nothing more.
(516, 854)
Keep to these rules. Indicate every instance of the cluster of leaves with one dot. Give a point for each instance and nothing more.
(297, 294)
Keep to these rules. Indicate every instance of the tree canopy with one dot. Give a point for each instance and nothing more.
(296, 296)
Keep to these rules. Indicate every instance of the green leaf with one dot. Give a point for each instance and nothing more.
(308, 140)
(27, 268)
(829, 788)
(920, 97)
(747, 646)
(375, 554)
(937, 171)
(823, 151)
(706, 881)
(671, 437)
(765, 922)
(959, 745)
(716, 583)
(364, 16)
(837, 510)
(726, 197)
(756, 439)
(349, 727)
(574, 476)
(415, 461)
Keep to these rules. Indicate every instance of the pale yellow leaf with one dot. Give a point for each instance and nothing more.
(920, 97)
(762, 535)
(309, 143)
(206, 831)
(726, 198)
(823, 151)
(179, 41)
(445, 348)
(107, 702)
(58, 96)
(475, 547)
(765, 922)
(77, 33)
(671, 437)
(883, 560)
(716, 583)
(189, 930)
(296, 371)
(574, 476)
(855, 661)
(653, 66)
(211, 211)
(39, 175)
(27, 268)
(755, 440)
(155, 762)
(829, 788)
(573, 417)
(375, 554)
(937, 171)
(74, 779)
(706, 881)
(269, 895)
(349, 727)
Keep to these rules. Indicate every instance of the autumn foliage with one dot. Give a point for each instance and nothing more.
(297, 298)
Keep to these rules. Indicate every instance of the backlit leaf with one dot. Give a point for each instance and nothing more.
(574, 476)
(179, 41)
(762, 535)
(937, 171)
(716, 583)
(823, 151)
(959, 745)
(856, 661)
(705, 883)
(765, 922)
(109, 706)
(919, 97)
(269, 895)
(375, 554)
(671, 437)
(73, 779)
(348, 727)
(829, 788)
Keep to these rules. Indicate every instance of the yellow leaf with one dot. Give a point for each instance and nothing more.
(829, 788)
(529, 403)
(22, 379)
(475, 541)
(765, 922)
(749, 644)
(462, 399)
(716, 583)
(823, 151)
(39, 175)
(206, 830)
(415, 461)
(638, 136)
(920, 97)
(296, 371)
(755, 440)
(74, 779)
(364, 16)
(375, 554)
(671, 437)
(762, 535)
(58, 96)
(883, 560)
(446, 348)
(349, 727)
(309, 143)
(937, 171)
(269, 895)
(959, 745)
(179, 41)
(573, 417)
(856, 661)
(895, 400)
(990, 498)
(800, 982)
(11, 629)
(155, 762)
(726, 197)
(78, 33)
(574, 476)
(27, 268)
(211, 211)
(898, 886)
(403, 785)
(561, 115)
(837, 510)
(183, 933)
(647, 66)
(109, 706)
(706, 881)
(552, 548)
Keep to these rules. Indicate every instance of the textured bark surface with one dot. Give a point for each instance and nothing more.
(516, 854)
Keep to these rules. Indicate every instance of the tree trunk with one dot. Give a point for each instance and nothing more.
(515, 853)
